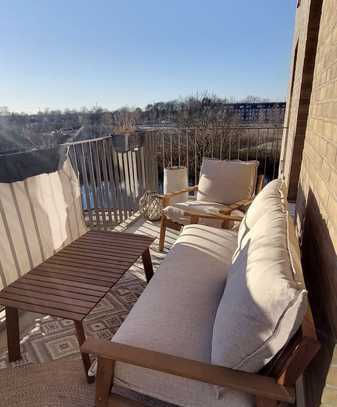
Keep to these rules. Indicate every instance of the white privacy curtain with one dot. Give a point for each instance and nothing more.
(38, 216)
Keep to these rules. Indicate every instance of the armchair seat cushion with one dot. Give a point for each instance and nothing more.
(176, 212)
(175, 315)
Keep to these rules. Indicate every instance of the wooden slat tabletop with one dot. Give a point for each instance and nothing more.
(70, 283)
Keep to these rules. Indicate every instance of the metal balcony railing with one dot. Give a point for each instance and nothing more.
(188, 146)
(113, 181)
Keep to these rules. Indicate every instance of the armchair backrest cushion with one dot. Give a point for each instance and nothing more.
(265, 300)
(227, 182)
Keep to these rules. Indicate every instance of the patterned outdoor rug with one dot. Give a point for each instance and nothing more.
(49, 339)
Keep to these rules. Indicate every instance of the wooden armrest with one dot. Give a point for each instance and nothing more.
(166, 197)
(221, 216)
(243, 204)
(217, 375)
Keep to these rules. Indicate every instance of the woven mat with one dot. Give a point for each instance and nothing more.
(55, 384)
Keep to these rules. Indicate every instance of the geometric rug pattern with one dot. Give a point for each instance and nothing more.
(49, 338)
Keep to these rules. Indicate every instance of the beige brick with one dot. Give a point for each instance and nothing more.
(325, 172)
(332, 226)
(329, 396)
(332, 154)
(323, 191)
(322, 146)
(331, 378)
(332, 207)
(333, 183)
(334, 355)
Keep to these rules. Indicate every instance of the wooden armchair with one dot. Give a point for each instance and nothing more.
(275, 384)
(224, 215)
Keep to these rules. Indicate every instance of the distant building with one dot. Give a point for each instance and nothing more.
(265, 112)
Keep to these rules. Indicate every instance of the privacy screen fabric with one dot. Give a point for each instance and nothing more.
(38, 216)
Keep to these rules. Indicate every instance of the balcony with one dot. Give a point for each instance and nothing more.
(112, 179)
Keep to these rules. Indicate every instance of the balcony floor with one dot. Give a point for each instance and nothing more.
(45, 338)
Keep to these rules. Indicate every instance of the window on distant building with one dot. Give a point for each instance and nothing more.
(298, 3)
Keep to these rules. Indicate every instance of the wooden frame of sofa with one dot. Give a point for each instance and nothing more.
(195, 215)
(274, 384)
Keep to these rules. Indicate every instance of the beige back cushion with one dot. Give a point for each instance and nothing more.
(272, 196)
(38, 216)
(265, 299)
(227, 182)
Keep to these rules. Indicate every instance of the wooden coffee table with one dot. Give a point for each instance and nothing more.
(70, 283)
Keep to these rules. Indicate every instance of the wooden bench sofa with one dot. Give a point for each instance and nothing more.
(224, 322)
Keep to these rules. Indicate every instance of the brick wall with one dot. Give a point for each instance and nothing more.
(310, 168)
(317, 192)
(300, 84)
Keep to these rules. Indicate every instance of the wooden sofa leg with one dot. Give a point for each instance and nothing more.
(85, 357)
(162, 233)
(104, 381)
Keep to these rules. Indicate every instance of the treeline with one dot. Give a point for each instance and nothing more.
(49, 127)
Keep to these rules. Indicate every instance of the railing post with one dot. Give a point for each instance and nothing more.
(155, 144)
(151, 161)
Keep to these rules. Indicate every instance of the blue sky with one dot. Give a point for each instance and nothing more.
(73, 53)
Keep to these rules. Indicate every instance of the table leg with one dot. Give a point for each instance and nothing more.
(13, 334)
(85, 356)
(147, 262)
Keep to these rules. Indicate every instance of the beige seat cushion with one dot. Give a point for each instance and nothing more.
(176, 212)
(227, 182)
(264, 301)
(175, 314)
